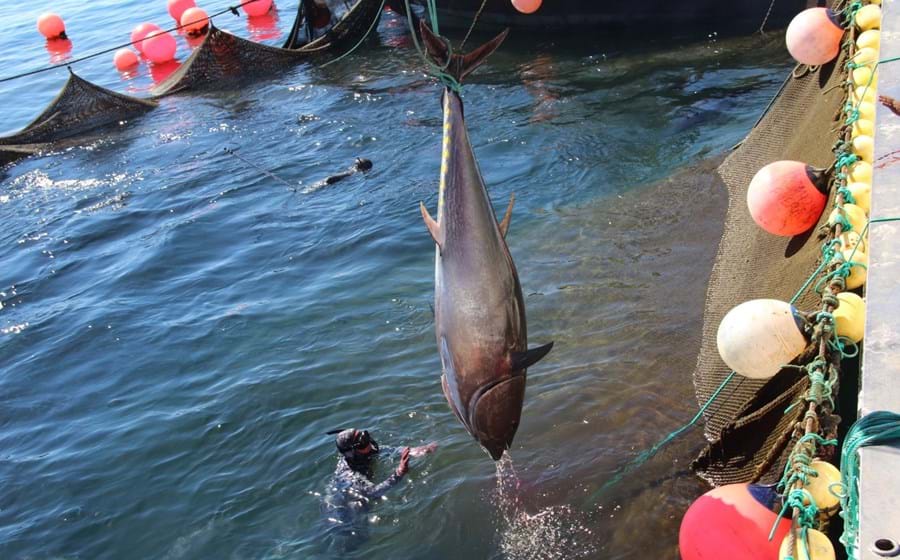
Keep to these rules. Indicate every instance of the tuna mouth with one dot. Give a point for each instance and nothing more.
(494, 413)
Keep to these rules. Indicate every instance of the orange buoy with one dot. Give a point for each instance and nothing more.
(160, 47)
(125, 60)
(785, 198)
(140, 32)
(527, 6)
(732, 522)
(178, 7)
(51, 26)
(257, 7)
(195, 21)
(814, 36)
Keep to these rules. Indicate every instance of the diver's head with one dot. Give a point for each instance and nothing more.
(357, 446)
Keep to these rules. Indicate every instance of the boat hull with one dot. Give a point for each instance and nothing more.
(651, 15)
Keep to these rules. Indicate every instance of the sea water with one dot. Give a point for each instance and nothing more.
(178, 330)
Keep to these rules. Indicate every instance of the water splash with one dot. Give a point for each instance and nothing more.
(552, 533)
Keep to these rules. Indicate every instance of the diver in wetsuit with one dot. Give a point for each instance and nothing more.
(353, 475)
(352, 490)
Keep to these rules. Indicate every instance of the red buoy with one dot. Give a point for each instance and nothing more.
(814, 36)
(732, 522)
(195, 21)
(785, 199)
(527, 6)
(178, 7)
(256, 8)
(51, 26)
(125, 60)
(140, 32)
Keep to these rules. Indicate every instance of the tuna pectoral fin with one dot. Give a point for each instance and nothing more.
(459, 66)
(433, 228)
(451, 401)
(504, 225)
(524, 360)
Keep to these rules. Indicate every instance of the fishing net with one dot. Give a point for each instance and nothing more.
(222, 57)
(80, 106)
(747, 423)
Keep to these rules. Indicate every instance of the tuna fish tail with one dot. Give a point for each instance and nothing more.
(457, 65)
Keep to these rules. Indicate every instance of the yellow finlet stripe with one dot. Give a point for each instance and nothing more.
(445, 155)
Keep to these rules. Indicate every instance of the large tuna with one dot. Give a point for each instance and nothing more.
(479, 311)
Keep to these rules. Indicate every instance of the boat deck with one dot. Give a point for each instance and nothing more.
(880, 389)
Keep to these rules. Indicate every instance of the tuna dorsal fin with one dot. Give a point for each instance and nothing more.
(459, 66)
(504, 225)
(526, 359)
(433, 228)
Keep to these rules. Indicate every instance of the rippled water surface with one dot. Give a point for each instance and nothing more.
(178, 331)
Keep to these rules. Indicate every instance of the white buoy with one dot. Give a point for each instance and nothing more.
(759, 336)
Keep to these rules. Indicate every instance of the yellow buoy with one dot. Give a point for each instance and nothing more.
(853, 214)
(860, 172)
(863, 93)
(864, 146)
(863, 76)
(819, 547)
(851, 240)
(850, 322)
(820, 486)
(759, 336)
(862, 195)
(868, 17)
(866, 110)
(866, 55)
(862, 127)
(857, 274)
(869, 39)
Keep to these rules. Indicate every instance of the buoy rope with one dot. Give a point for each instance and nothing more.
(766, 19)
(876, 428)
(812, 434)
(68, 63)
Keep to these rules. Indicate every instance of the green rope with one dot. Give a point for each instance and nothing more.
(843, 160)
(848, 196)
(366, 36)
(647, 454)
(877, 428)
(438, 71)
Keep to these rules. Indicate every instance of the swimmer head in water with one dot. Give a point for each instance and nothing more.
(357, 447)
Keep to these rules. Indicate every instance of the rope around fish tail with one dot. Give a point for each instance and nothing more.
(438, 71)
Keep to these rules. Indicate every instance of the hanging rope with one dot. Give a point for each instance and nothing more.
(462, 45)
(437, 71)
(361, 41)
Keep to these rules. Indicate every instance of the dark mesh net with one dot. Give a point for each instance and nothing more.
(747, 423)
(80, 106)
(223, 57)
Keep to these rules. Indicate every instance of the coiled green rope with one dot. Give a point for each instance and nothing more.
(876, 428)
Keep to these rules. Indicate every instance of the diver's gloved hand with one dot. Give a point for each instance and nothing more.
(403, 467)
(423, 450)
